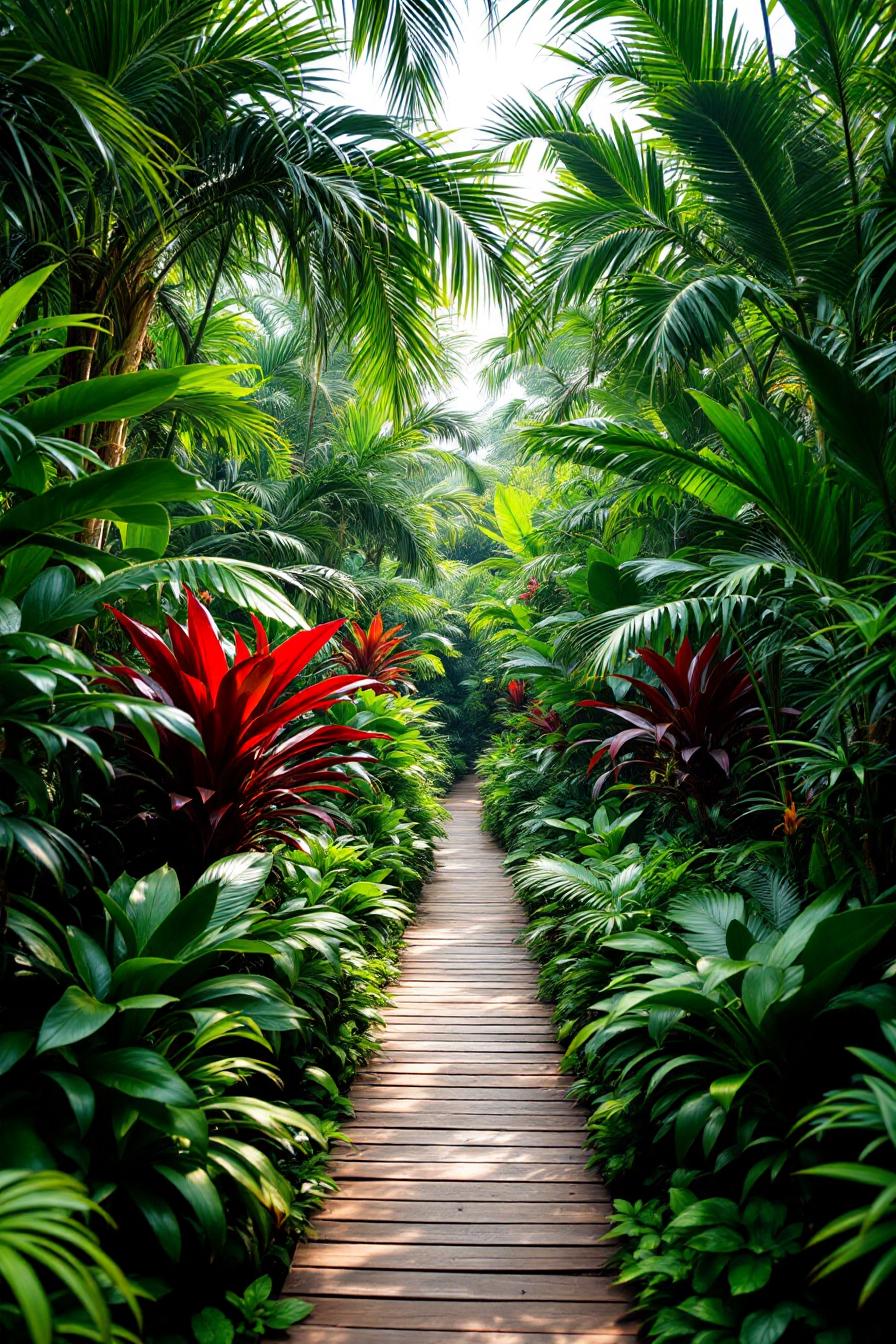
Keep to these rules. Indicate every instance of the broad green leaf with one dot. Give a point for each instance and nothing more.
(766, 1327)
(762, 986)
(211, 1326)
(15, 300)
(197, 1188)
(749, 1273)
(74, 1017)
(142, 1073)
(151, 901)
(513, 513)
(104, 494)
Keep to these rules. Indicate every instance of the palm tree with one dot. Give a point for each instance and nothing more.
(229, 166)
(371, 488)
(745, 209)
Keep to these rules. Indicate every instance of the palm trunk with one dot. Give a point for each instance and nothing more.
(315, 390)
(135, 302)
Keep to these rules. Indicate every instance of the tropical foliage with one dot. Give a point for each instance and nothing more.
(242, 522)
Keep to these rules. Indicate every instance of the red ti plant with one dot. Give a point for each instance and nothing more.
(517, 693)
(544, 721)
(376, 653)
(685, 733)
(260, 771)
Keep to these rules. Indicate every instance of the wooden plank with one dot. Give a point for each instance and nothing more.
(390, 1090)
(401, 1076)
(446, 1152)
(512, 1138)
(432, 1011)
(563, 1235)
(411, 1037)
(421, 1106)
(471, 1169)
(483, 1068)
(363, 1209)
(478, 1192)
(486, 1317)
(463, 1119)
(447, 1287)
(558, 1260)
(312, 1334)
(504, 1047)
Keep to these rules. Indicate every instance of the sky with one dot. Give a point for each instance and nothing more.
(509, 63)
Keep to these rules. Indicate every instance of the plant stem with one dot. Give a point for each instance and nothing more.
(768, 39)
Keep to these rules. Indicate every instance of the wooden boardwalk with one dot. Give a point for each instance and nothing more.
(465, 1214)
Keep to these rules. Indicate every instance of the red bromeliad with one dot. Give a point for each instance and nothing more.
(375, 653)
(517, 693)
(691, 722)
(252, 782)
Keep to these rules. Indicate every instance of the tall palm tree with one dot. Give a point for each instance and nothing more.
(745, 208)
(372, 487)
(228, 165)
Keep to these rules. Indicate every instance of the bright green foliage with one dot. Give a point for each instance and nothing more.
(223, 365)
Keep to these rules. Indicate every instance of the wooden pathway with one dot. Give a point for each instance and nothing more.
(465, 1214)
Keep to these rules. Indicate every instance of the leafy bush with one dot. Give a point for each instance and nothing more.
(254, 776)
(377, 653)
(703, 997)
(692, 722)
(863, 1114)
(52, 1265)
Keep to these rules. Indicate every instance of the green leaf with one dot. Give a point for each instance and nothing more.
(142, 1073)
(762, 986)
(514, 509)
(150, 903)
(15, 300)
(198, 1189)
(689, 1122)
(10, 617)
(835, 946)
(76, 1016)
(108, 397)
(281, 1315)
(14, 1045)
(749, 1273)
(104, 494)
(609, 588)
(41, 601)
(211, 1326)
(185, 923)
(90, 961)
(27, 1291)
(766, 1327)
(725, 1090)
(147, 539)
(708, 1213)
(237, 880)
(80, 1096)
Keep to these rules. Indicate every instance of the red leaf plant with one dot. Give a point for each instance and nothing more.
(544, 721)
(517, 693)
(684, 735)
(254, 781)
(376, 653)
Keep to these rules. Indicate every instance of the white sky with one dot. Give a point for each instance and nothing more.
(508, 64)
